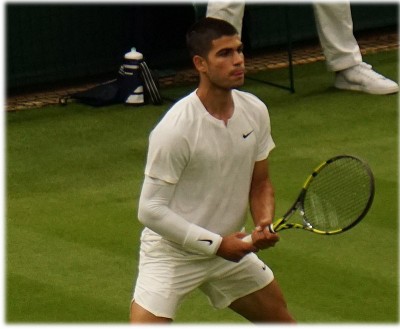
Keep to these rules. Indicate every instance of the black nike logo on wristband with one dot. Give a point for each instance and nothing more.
(210, 242)
(248, 134)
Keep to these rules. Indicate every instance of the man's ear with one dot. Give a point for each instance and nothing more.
(200, 63)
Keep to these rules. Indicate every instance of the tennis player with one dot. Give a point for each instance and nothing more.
(207, 162)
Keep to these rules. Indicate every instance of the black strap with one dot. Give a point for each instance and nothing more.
(150, 84)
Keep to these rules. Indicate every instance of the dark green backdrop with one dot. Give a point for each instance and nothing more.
(51, 43)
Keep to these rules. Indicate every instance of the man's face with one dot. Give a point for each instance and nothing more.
(224, 65)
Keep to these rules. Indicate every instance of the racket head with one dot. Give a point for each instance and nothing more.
(337, 195)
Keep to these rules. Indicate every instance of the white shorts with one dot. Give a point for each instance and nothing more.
(167, 274)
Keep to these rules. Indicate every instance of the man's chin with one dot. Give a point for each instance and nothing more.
(238, 83)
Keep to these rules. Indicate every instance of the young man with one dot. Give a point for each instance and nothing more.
(207, 160)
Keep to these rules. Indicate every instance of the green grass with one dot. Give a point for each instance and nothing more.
(73, 177)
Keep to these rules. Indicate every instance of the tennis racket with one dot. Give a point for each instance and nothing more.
(334, 198)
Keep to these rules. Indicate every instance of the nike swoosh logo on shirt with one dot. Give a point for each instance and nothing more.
(247, 135)
(210, 242)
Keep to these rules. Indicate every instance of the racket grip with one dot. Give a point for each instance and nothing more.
(248, 239)
(271, 228)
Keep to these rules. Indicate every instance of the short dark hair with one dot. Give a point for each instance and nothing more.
(201, 34)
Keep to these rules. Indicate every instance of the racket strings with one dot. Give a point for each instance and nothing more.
(338, 195)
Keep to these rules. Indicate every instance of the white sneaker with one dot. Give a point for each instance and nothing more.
(362, 77)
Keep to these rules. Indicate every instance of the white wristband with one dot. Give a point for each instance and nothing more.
(201, 240)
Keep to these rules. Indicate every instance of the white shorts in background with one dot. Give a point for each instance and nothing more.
(167, 274)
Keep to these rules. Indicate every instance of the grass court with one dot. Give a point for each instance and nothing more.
(73, 178)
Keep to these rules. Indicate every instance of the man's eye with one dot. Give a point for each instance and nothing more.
(224, 53)
(229, 52)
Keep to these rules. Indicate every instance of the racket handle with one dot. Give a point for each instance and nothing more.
(248, 239)
(271, 228)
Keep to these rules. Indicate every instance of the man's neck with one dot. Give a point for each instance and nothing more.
(218, 102)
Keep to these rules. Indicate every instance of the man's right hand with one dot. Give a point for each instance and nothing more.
(233, 248)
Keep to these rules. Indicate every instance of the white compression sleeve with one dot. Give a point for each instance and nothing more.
(154, 212)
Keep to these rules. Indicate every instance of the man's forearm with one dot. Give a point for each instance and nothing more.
(262, 203)
(154, 212)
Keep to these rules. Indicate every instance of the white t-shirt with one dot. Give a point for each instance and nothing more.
(210, 163)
